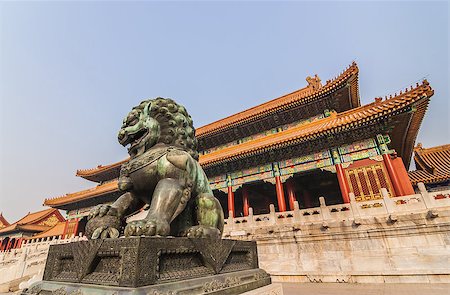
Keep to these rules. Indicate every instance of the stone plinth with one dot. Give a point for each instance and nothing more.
(143, 265)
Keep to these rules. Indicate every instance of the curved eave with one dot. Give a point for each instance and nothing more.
(103, 189)
(101, 173)
(298, 97)
(417, 176)
(435, 159)
(335, 124)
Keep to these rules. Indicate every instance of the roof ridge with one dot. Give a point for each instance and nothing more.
(331, 123)
(307, 91)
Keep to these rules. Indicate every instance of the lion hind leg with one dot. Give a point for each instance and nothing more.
(209, 216)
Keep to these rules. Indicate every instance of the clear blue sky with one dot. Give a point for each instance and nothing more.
(70, 71)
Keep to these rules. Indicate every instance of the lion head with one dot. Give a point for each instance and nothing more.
(159, 120)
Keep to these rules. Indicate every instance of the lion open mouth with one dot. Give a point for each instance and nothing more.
(134, 139)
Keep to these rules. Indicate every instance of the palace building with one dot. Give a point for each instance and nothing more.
(35, 224)
(318, 141)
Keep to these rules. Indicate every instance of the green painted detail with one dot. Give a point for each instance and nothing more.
(305, 159)
(382, 144)
(336, 157)
(251, 171)
(218, 185)
(276, 169)
(307, 166)
(357, 146)
(229, 182)
(252, 178)
(360, 155)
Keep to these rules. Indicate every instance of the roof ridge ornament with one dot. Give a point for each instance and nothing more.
(314, 82)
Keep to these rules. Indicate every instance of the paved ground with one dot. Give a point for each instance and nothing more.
(360, 289)
(365, 289)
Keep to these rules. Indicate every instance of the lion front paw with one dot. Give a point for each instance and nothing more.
(151, 227)
(103, 227)
(201, 231)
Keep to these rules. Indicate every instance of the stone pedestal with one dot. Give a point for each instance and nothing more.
(148, 265)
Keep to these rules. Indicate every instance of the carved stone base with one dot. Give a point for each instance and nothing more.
(230, 284)
(148, 265)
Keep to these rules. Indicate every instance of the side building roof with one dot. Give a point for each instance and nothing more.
(34, 222)
(3, 221)
(433, 164)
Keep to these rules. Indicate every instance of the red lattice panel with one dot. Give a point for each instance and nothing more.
(373, 182)
(382, 179)
(354, 184)
(362, 180)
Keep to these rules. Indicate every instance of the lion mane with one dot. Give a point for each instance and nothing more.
(176, 125)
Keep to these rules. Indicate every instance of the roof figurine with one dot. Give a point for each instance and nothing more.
(314, 82)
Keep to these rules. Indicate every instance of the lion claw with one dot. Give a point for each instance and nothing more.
(105, 232)
(150, 227)
(201, 231)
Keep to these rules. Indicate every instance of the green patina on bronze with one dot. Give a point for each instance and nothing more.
(163, 172)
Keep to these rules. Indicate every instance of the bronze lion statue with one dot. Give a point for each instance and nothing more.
(163, 172)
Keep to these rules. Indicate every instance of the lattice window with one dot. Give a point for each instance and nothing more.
(362, 180)
(373, 182)
(354, 184)
(366, 181)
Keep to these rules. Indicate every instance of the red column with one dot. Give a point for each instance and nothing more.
(280, 194)
(245, 200)
(76, 227)
(8, 245)
(291, 193)
(65, 230)
(343, 185)
(403, 176)
(392, 175)
(231, 200)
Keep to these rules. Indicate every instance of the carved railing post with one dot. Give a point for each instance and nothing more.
(230, 221)
(273, 216)
(355, 209)
(297, 215)
(324, 211)
(429, 202)
(250, 220)
(390, 205)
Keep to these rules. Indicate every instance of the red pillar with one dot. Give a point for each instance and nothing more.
(65, 230)
(77, 220)
(403, 176)
(280, 194)
(392, 175)
(245, 200)
(8, 245)
(343, 185)
(291, 193)
(231, 200)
